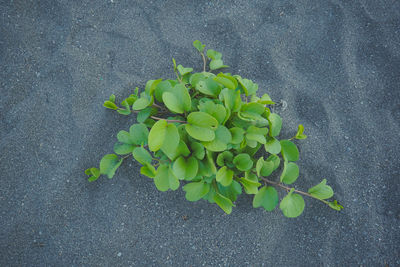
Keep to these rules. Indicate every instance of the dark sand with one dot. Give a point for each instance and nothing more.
(335, 63)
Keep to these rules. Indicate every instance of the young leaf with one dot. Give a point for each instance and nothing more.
(243, 162)
(252, 111)
(267, 197)
(165, 179)
(94, 174)
(142, 155)
(112, 98)
(250, 187)
(266, 100)
(199, 46)
(272, 145)
(183, 71)
(321, 190)
(224, 203)
(275, 160)
(148, 170)
(299, 134)
(224, 176)
(226, 80)
(290, 173)
(141, 103)
(109, 164)
(289, 150)
(110, 105)
(249, 88)
(232, 191)
(292, 205)
(196, 191)
(224, 158)
(275, 124)
(151, 86)
(334, 205)
(137, 135)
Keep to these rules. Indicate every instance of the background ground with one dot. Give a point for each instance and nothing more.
(335, 63)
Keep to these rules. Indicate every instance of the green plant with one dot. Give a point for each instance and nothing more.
(213, 126)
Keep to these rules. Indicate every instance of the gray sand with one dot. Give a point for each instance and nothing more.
(335, 63)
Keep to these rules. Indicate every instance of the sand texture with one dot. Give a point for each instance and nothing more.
(335, 63)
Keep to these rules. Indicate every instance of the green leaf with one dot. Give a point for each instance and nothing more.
(109, 164)
(181, 150)
(110, 105)
(243, 162)
(224, 158)
(231, 100)
(224, 203)
(272, 145)
(267, 197)
(218, 111)
(321, 190)
(163, 136)
(224, 176)
(137, 135)
(275, 160)
(174, 62)
(335, 205)
(185, 169)
(144, 114)
(123, 149)
(266, 100)
(142, 155)
(196, 191)
(199, 46)
(226, 80)
(264, 168)
(289, 150)
(232, 191)
(184, 71)
(151, 86)
(256, 134)
(197, 150)
(216, 64)
(208, 86)
(237, 135)
(290, 172)
(165, 179)
(292, 205)
(201, 126)
(222, 138)
(250, 186)
(212, 54)
(141, 103)
(94, 174)
(112, 98)
(178, 100)
(299, 134)
(249, 88)
(148, 170)
(252, 111)
(275, 124)
(162, 87)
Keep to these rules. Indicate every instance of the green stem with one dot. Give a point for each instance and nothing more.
(157, 118)
(295, 190)
(204, 62)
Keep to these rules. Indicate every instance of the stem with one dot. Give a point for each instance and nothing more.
(157, 118)
(126, 156)
(204, 62)
(295, 190)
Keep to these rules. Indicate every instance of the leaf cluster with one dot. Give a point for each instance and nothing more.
(203, 130)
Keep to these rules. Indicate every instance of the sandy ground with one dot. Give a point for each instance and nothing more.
(335, 63)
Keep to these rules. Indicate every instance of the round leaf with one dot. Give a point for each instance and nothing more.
(290, 173)
(142, 155)
(272, 145)
(292, 205)
(267, 197)
(109, 164)
(243, 162)
(321, 190)
(224, 176)
(222, 138)
(289, 150)
(196, 191)
(275, 124)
